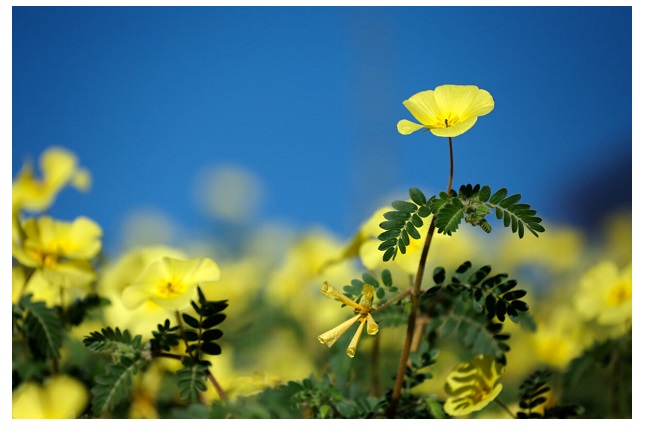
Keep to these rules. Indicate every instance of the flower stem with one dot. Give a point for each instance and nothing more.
(415, 296)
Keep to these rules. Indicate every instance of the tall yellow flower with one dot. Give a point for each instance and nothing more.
(362, 315)
(171, 283)
(60, 250)
(472, 385)
(448, 111)
(605, 294)
(58, 168)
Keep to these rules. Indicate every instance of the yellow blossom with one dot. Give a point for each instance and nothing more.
(59, 397)
(58, 168)
(171, 283)
(118, 275)
(362, 315)
(60, 250)
(605, 294)
(447, 111)
(472, 385)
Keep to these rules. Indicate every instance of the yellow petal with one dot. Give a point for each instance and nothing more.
(352, 348)
(333, 335)
(329, 291)
(132, 297)
(373, 328)
(423, 106)
(465, 101)
(193, 272)
(82, 179)
(83, 237)
(58, 166)
(406, 127)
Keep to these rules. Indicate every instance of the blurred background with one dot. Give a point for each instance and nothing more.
(203, 119)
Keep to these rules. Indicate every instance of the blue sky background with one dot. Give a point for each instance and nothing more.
(308, 98)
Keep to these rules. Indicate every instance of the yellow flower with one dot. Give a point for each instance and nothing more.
(605, 293)
(472, 385)
(447, 111)
(362, 315)
(60, 250)
(171, 283)
(114, 278)
(59, 397)
(59, 168)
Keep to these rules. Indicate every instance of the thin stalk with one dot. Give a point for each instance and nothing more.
(398, 297)
(505, 407)
(415, 296)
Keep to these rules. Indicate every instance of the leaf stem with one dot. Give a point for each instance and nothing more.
(398, 297)
(415, 295)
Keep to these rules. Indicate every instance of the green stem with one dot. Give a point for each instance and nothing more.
(505, 407)
(415, 295)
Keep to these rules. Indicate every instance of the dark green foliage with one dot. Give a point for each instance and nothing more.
(164, 338)
(471, 204)
(202, 334)
(474, 331)
(115, 385)
(114, 341)
(535, 392)
(402, 224)
(81, 308)
(474, 203)
(40, 326)
(493, 295)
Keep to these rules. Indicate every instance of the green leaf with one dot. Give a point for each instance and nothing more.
(404, 206)
(210, 348)
(213, 321)
(115, 385)
(191, 321)
(417, 196)
(370, 280)
(191, 380)
(42, 326)
(412, 231)
(113, 341)
(386, 278)
(211, 335)
(449, 216)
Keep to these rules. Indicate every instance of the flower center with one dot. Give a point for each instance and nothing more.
(446, 122)
(619, 293)
(170, 288)
(47, 259)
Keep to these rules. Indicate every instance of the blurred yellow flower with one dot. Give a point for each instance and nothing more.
(118, 275)
(171, 283)
(605, 294)
(559, 337)
(293, 284)
(58, 168)
(472, 385)
(362, 315)
(559, 249)
(59, 397)
(60, 250)
(447, 111)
